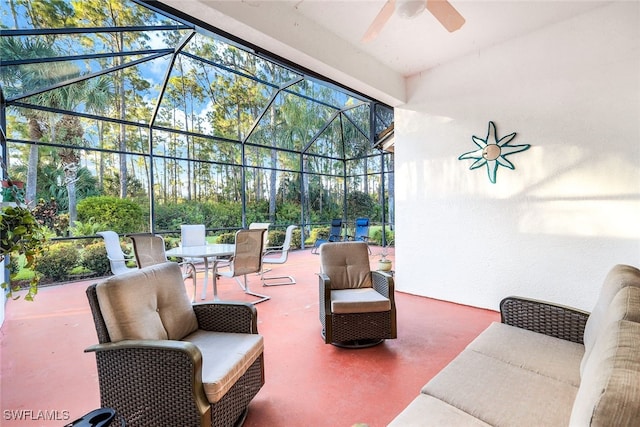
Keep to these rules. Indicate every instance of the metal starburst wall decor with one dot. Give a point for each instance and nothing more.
(492, 152)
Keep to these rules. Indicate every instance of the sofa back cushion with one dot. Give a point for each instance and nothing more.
(346, 264)
(609, 392)
(148, 304)
(624, 306)
(619, 277)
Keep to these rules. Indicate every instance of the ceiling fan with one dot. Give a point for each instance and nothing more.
(448, 16)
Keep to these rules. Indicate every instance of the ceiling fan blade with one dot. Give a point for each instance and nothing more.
(381, 18)
(448, 16)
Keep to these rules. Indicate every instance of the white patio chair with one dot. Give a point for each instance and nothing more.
(117, 259)
(262, 226)
(195, 235)
(284, 252)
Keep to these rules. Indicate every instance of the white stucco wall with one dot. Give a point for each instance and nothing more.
(553, 227)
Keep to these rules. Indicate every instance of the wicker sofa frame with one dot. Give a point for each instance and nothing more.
(158, 382)
(555, 320)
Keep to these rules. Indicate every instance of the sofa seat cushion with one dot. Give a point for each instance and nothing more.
(426, 411)
(225, 358)
(364, 300)
(502, 394)
(610, 391)
(147, 304)
(539, 353)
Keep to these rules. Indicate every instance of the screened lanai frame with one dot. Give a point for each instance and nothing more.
(335, 151)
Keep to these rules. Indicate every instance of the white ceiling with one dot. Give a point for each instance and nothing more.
(409, 46)
(325, 35)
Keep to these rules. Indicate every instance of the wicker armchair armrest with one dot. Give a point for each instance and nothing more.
(383, 284)
(546, 318)
(136, 363)
(324, 290)
(235, 317)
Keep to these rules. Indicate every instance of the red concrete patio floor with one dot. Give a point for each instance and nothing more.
(47, 379)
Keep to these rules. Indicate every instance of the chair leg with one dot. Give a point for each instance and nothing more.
(245, 288)
(194, 277)
(266, 280)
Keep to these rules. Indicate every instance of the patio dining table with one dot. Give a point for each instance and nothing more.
(207, 252)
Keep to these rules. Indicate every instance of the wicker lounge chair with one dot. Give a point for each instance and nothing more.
(357, 305)
(165, 362)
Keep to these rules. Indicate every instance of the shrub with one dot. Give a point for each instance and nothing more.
(227, 238)
(319, 233)
(121, 216)
(57, 261)
(94, 258)
(276, 238)
(88, 228)
(375, 236)
(296, 239)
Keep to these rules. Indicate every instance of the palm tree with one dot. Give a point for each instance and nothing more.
(24, 79)
(94, 94)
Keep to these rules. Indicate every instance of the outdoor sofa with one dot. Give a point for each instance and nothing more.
(544, 365)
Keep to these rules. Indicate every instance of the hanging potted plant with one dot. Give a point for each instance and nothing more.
(12, 190)
(20, 236)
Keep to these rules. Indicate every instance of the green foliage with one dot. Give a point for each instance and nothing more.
(214, 215)
(57, 261)
(288, 213)
(94, 258)
(375, 235)
(21, 235)
(276, 238)
(88, 228)
(121, 216)
(47, 214)
(319, 233)
(12, 191)
(360, 204)
(227, 238)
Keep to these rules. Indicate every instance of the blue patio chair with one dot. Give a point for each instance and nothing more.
(335, 235)
(362, 230)
(361, 233)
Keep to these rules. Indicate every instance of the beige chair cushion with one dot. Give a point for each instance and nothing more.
(619, 277)
(147, 304)
(225, 358)
(346, 264)
(364, 300)
(609, 394)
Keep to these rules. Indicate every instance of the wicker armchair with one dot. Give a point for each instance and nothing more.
(357, 305)
(203, 366)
